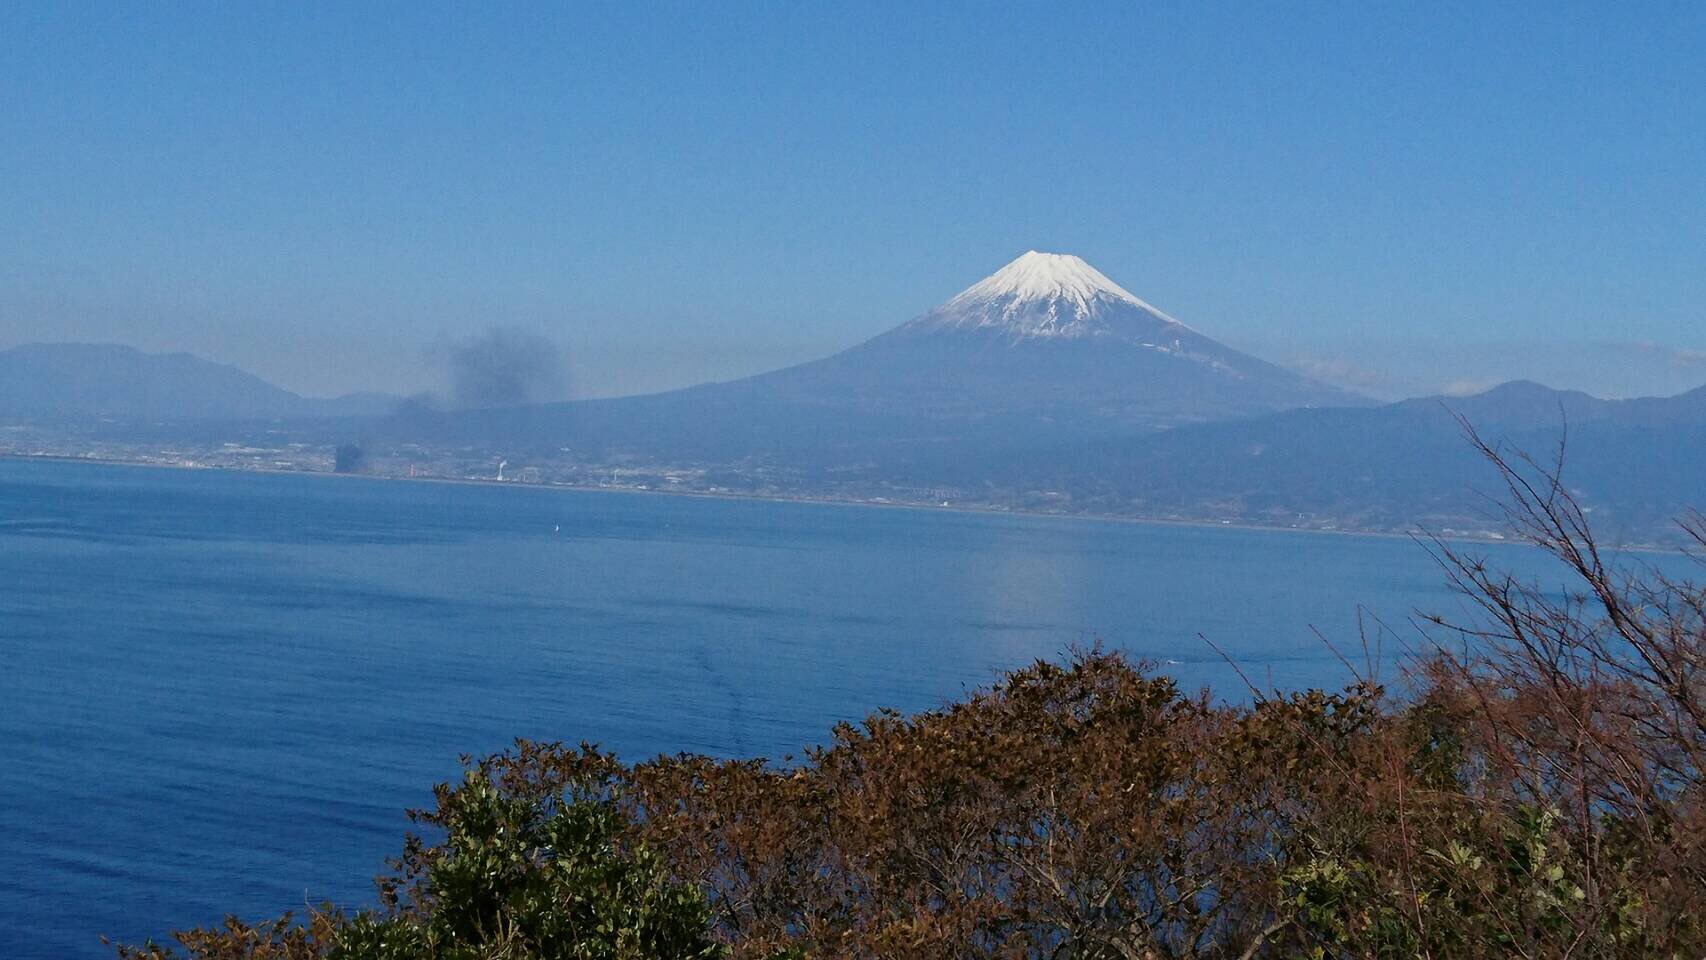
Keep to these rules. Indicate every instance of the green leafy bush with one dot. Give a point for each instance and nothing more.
(548, 875)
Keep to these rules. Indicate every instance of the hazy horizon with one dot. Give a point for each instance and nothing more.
(1381, 370)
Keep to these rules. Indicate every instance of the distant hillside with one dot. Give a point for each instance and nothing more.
(1638, 463)
(79, 381)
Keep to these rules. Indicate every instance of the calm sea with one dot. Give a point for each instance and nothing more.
(219, 691)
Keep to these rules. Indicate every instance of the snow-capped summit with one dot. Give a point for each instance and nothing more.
(1046, 276)
(1048, 295)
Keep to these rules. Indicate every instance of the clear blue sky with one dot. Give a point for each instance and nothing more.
(322, 192)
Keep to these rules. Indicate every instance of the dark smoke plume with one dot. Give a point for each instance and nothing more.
(350, 458)
(504, 367)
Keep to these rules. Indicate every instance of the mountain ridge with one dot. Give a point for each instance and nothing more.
(68, 381)
(1639, 463)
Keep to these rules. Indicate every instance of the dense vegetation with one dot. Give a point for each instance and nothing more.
(1535, 791)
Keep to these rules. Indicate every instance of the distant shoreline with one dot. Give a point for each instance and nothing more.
(970, 509)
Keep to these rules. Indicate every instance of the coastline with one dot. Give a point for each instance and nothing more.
(1418, 534)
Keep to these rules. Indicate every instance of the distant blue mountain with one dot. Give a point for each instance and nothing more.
(80, 381)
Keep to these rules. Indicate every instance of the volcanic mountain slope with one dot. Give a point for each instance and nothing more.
(1048, 337)
(1045, 349)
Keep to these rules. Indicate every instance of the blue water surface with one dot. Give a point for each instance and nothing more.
(219, 691)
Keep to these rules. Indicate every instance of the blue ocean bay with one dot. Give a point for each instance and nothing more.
(219, 691)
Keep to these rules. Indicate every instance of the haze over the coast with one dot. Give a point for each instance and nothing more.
(1044, 387)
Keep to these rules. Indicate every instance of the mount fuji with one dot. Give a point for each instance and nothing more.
(1045, 349)
(1049, 338)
